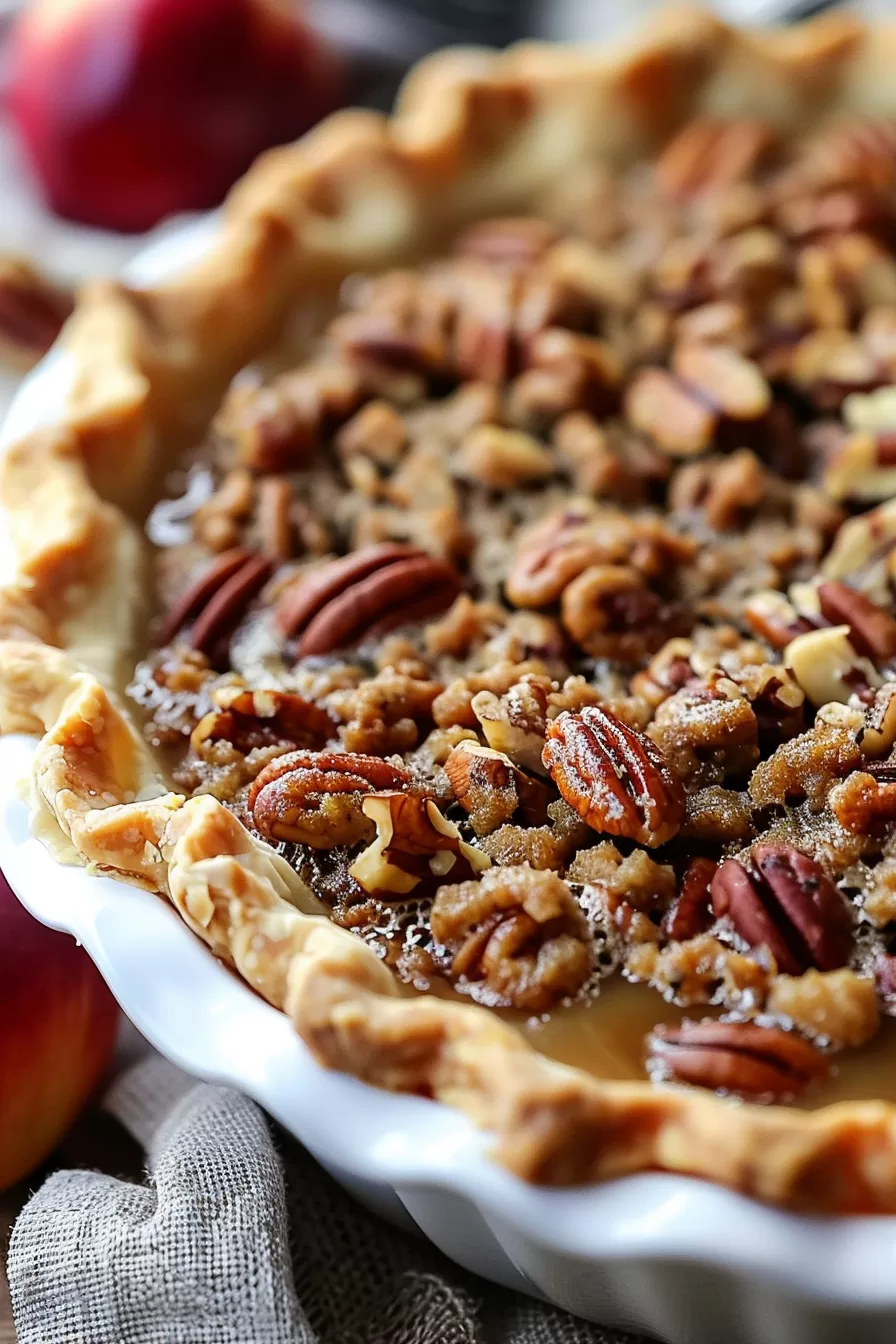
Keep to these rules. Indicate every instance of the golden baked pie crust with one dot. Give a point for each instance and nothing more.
(474, 133)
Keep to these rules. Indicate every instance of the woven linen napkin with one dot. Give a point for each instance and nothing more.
(239, 1237)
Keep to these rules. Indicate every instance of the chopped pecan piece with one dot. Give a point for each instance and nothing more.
(561, 545)
(516, 938)
(503, 459)
(598, 469)
(700, 970)
(611, 613)
(885, 982)
(516, 722)
(274, 517)
(216, 523)
(277, 427)
(877, 734)
(615, 777)
(490, 788)
(743, 1058)
(32, 311)
(863, 804)
(785, 901)
(708, 730)
(774, 619)
(807, 766)
(599, 275)
(314, 798)
(551, 554)
(385, 713)
(675, 419)
(515, 241)
(861, 150)
(376, 432)
(836, 1008)
(251, 719)
(828, 666)
(414, 844)
(726, 490)
(363, 595)
(455, 705)
(729, 381)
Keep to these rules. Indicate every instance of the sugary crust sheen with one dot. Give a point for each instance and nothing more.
(474, 133)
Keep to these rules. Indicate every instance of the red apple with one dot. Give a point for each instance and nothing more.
(131, 110)
(57, 1032)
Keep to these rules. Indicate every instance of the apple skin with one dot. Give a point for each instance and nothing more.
(131, 110)
(58, 1024)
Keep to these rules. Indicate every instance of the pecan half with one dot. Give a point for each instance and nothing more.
(709, 155)
(251, 719)
(314, 798)
(615, 778)
(363, 595)
(785, 902)
(691, 911)
(217, 600)
(762, 1063)
(490, 788)
(414, 845)
(872, 630)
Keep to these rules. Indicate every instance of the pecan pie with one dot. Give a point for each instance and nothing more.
(508, 496)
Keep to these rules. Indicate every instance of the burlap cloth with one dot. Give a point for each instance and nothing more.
(238, 1237)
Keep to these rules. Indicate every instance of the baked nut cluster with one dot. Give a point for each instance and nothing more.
(543, 615)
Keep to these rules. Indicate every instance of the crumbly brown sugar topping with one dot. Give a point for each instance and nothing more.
(535, 618)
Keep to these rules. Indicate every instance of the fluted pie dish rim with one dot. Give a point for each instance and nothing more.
(474, 132)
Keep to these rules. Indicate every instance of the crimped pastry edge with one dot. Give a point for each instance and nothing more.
(474, 133)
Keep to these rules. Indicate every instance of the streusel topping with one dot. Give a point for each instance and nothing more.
(535, 618)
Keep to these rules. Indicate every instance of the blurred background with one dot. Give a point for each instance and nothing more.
(121, 113)
(118, 117)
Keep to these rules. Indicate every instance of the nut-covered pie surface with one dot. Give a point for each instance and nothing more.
(501, 674)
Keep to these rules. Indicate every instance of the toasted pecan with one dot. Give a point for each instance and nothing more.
(615, 777)
(785, 902)
(762, 1063)
(363, 595)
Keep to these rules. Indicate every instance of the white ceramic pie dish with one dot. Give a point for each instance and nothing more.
(687, 1262)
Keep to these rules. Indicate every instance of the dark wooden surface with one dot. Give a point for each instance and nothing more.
(96, 1142)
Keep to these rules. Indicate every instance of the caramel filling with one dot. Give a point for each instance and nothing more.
(606, 1038)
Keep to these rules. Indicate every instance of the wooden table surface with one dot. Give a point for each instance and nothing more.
(98, 1142)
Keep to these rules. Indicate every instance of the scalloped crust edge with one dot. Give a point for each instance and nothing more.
(474, 132)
